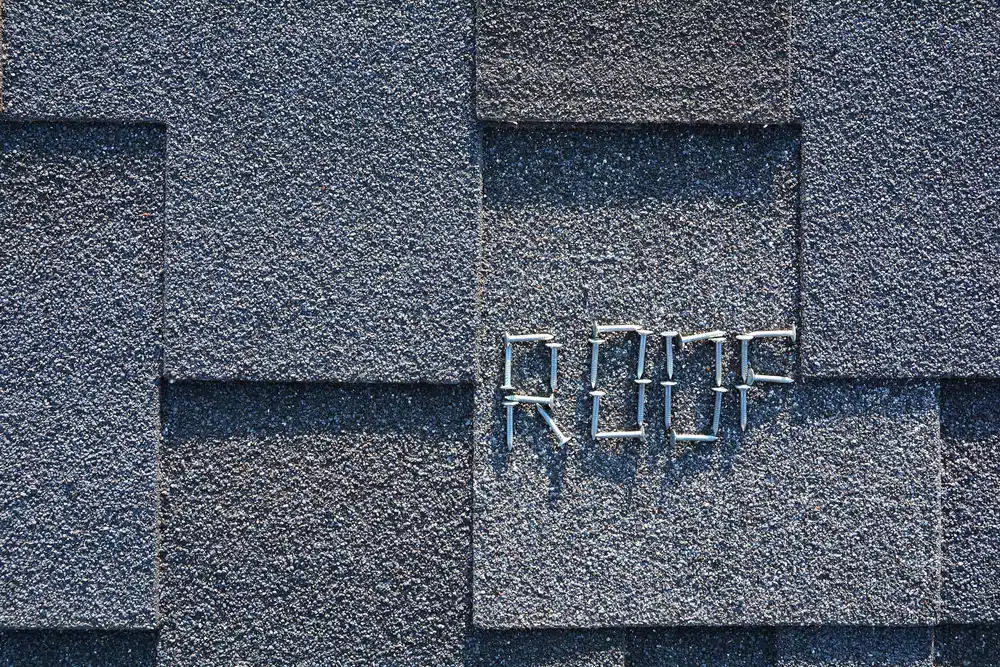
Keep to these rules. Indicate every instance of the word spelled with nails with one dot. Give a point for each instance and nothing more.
(750, 378)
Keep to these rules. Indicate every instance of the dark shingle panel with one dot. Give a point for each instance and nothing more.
(970, 426)
(855, 647)
(315, 524)
(77, 648)
(546, 648)
(825, 511)
(675, 60)
(81, 227)
(323, 180)
(967, 646)
(901, 173)
(700, 647)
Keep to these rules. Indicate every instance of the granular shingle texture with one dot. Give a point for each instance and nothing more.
(970, 426)
(825, 511)
(315, 525)
(900, 172)
(967, 646)
(701, 647)
(80, 291)
(721, 61)
(77, 648)
(855, 647)
(546, 648)
(323, 176)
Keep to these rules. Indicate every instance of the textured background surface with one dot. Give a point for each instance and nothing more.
(900, 173)
(320, 227)
(81, 250)
(610, 60)
(855, 647)
(825, 511)
(315, 525)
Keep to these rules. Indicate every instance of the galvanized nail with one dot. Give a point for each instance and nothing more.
(777, 333)
(668, 337)
(689, 437)
(641, 406)
(510, 423)
(718, 360)
(595, 411)
(643, 333)
(595, 344)
(705, 335)
(743, 405)
(531, 400)
(529, 338)
(507, 353)
(615, 328)
(553, 364)
(753, 378)
(744, 354)
(668, 386)
(641, 433)
(717, 414)
(552, 426)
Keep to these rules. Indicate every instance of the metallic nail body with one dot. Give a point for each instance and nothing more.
(668, 386)
(717, 414)
(507, 353)
(668, 337)
(532, 400)
(595, 411)
(753, 378)
(743, 388)
(676, 437)
(615, 328)
(595, 344)
(744, 354)
(641, 434)
(776, 333)
(640, 417)
(641, 367)
(705, 335)
(510, 423)
(552, 426)
(553, 365)
(718, 360)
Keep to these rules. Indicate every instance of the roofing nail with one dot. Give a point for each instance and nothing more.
(717, 414)
(641, 433)
(744, 354)
(668, 337)
(510, 423)
(668, 386)
(507, 351)
(743, 405)
(553, 364)
(689, 437)
(718, 360)
(705, 335)
(533, 400)
(529, 338)
(612, 328)
(595, 411)
(552, 425)
(642, 352)
(595, 344)
(754, 378)
(641, 409)
(776, 333)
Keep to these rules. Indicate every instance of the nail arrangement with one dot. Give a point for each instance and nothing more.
(750, 379)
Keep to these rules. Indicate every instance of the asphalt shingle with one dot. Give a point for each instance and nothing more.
(702, 647)
(854, 647)
(970, 426)
(315, 525)
(825, 511)
(547, 648)
(900, 173)
(323, 183)
(81, 246)
(608, 60)
(77, 648)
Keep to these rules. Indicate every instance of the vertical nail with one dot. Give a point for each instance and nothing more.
(643, 333)
(510, 423)
(744, 354)
(641, 409)
(717, 414)
(507, 352)
(594, 351)
(668, 337)
(595, 411)
(553, 365)
(668, 386)
(743, 405)
(718, 360)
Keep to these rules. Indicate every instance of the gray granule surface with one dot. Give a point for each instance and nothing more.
(547, 648)
(855, 647)
(315, 525)
(900, 171)
(80, 290)
(967, 646)
(970, 427)
(720, 61)
(701, 647)
(76, 648)
(323, 184)
(825, 511)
